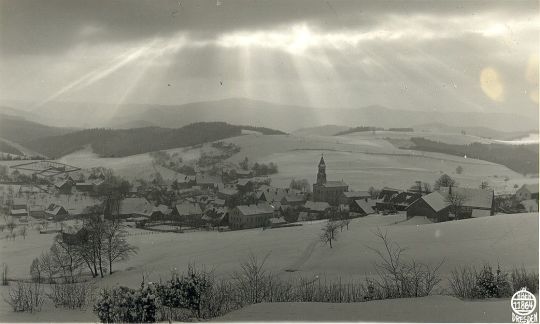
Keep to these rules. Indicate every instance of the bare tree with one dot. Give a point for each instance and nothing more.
(329, 232)
(253, 279)
(116, 246)
(456, 201)
(444, 181)
(427, 187)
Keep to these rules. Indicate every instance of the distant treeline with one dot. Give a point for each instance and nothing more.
(372, 129)
(124, 142)
(520, 158)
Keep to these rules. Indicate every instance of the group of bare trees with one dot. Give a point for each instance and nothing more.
(97, 245)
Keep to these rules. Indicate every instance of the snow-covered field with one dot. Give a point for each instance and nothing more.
(434, 309)
(362, 162)
(510, 240)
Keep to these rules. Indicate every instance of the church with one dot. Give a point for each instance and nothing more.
(328, 191)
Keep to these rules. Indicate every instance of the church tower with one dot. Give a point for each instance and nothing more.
(321, 175)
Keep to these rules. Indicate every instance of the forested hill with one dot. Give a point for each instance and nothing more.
(124, 142)
(520, 158)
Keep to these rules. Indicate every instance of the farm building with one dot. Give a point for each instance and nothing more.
(385, 199)
(160, 212)
(56, 212)
(432, 206)
(271, 194)
(348, 197)
(403, 199)
(362, 206)
(316, 209)
(250, 216)
(189, 212)
(208, 182)
(84, 186)
(327, 191)
(227, 193)
(36, 211)
(135, 207)
(481, 200)
(19, 207)
(293, 200)
(216, 216)
(64, 186)
(527, 191)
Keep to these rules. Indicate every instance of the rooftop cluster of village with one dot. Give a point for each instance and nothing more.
(238, 197)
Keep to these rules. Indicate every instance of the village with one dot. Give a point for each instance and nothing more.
(234, 197)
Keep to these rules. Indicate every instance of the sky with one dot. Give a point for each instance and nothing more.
(415, 55)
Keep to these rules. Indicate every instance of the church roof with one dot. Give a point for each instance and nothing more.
(321, 162)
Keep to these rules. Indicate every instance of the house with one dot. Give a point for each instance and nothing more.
(432, 206)
(327, 191)
(271, 194)
(530, 205)
(19, 207)
(208, 182)
(160, 212)
(348, 197)
(64, 186)
(243, 174)
(362, 207)
(188, 212)
(56, 212)
(216, 216)
(244, 184)
(227, 193)
(135, 207)
(84, 186)
(250, 216)
(527, 191)
(316, 209)
(474, 198)
(36, 211)
(385, 199)
(293, 200)
(403, 199)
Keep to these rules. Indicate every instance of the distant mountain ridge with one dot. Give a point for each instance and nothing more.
(261, 113)
(124, 142)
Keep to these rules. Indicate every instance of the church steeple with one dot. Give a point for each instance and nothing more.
(321, 174)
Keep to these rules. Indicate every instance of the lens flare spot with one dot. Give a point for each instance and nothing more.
(492, 84)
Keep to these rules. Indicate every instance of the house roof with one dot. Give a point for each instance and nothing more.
(332, 184)
(188, 208)
(356, 194)
(365, 206)
(255, 209)
(62, 183)
(436, 201)
(317, 205)
(243, 182)
(532, 188)
(36, 208)
(162, 209)
(294, 198)
(474, 197)
(206, 179)
(273, 194)
(228, 191)
(135, 205)
(54, 209)
(18, 212)
(19, 201)
(219, 202)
